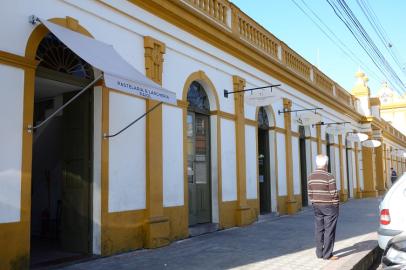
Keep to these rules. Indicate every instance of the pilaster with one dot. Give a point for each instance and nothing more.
(343, 191)
(291, 202)
(157, 225)
(368, 171)
(243, 214)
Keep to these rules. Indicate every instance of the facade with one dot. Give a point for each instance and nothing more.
(393, 107)
(208, 159)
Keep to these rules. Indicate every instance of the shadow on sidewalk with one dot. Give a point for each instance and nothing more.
(356, 248)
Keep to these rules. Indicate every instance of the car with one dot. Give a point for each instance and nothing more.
(394, 256)
(392, 212)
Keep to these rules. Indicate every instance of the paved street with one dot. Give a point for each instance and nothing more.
(272, 243)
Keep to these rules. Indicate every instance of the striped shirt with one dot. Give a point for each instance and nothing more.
(322, 188)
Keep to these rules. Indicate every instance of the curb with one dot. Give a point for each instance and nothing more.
(369, 259)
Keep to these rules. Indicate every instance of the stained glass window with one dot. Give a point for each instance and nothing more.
(53, 54)
(197, 98)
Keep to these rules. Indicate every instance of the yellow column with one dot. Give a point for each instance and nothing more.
(157, 225)
(243, 214)
(358, 193)
(291, 201)
(380, 174)
(368, 167)
(343, 192)
(319, 144)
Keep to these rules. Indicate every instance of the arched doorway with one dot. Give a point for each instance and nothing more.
(264, 162)
(303, 165)
(61, 157)
(198, 155)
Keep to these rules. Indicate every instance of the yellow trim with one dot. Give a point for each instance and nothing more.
(223, 114)
(319, 140)
(291, 202)
(14, 60)
(200, 76)
(368, 168)
(343, 191)
(157, 225)
(181, 15)
(243, 211)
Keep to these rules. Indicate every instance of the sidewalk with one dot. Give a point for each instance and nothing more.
(272, 243)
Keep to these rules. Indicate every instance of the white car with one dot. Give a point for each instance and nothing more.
(393, 212)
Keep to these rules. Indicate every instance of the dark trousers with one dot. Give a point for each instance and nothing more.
(325, 229)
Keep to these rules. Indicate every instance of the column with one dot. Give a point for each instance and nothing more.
(379, 168)
(157, 225)
(358, 193)
(368, 167)
(291, 201)
(343, 192)
(243, 213)
(319, 144)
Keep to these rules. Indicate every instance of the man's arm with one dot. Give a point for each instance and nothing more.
(332, 187)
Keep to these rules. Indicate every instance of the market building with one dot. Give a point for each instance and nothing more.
(202, 159)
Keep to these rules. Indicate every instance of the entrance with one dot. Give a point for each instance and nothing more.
(303, 165)
(263, 162)
(328, 151)
(62, 157)
(198, 147)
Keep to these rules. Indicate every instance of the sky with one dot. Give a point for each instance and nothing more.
(289, 24)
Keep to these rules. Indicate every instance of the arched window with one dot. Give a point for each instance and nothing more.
(198, 99)
(263, 121)
(54, 55)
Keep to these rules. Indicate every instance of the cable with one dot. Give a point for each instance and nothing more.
(345, 14)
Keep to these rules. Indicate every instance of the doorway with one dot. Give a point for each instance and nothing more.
(198, 149)
(264, 162)
(61, 157)
(303, 165)
(328, 151)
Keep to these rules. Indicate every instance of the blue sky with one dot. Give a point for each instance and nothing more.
(288, 23)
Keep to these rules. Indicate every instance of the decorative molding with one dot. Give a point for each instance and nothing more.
(154, 58)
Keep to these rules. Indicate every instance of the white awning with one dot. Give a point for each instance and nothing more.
(118, 73)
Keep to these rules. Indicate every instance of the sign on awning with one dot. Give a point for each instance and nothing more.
(118, 73)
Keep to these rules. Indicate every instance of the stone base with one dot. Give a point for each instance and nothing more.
(358, 195)
(369, 194)
(343, 196)
(292, 207)
(157, 232)
(243, 216)
(381, 192)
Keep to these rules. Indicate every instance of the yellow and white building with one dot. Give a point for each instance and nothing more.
(207, 159)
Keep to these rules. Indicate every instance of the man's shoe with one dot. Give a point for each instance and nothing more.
(333, 258)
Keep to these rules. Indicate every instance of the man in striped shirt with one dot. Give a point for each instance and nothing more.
(323, 194)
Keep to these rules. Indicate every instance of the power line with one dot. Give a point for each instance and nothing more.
(380, 31)
(345, 14)
(335, 39)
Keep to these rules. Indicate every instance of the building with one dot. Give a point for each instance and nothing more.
(208, 159)
(393, 107)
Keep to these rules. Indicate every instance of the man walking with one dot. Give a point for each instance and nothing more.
(323, 194)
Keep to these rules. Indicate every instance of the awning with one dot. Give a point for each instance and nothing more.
(118, 73)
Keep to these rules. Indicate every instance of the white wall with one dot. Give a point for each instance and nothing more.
(274, 176)
(214, 169)
(11, 119)
(281, 156)
(251, 161)
(172, 140)
(228, 161)
(296, 165)
(337, 166)
(127, 162)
